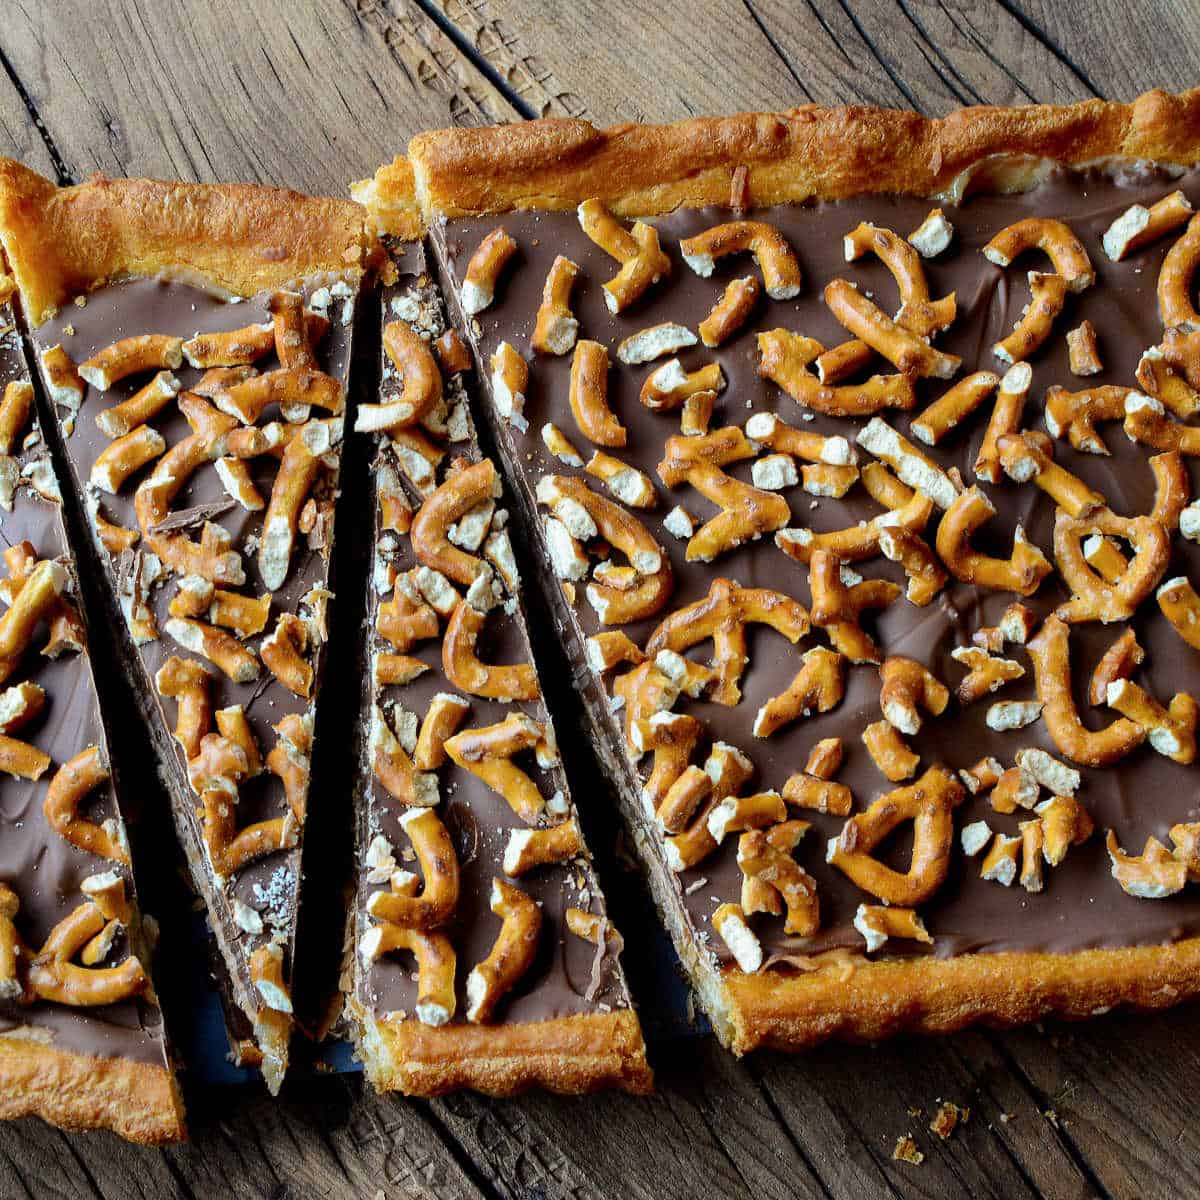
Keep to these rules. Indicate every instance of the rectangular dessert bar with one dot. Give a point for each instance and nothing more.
(81, 1036)
(859, 448)
(194, 342)
(482, 953)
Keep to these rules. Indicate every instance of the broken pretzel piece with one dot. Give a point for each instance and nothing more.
(784, 358)
(642, 260)
(483, 270)
(776, 259)
(767, 864)
(723, 615)
(818, 686)
(877, 923)
(556, 327)
(1138, 225)
(838, 607)
(1153, 875)
(747, 512)
(1049, 652)
(1022, 572)
(511, 955)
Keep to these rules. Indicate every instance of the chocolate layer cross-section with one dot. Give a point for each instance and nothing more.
(483, 955)
(81, 1037)
(194, 343)
(871, 517)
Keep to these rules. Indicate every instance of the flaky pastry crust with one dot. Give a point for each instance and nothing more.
(581, 1053)
(802, 154)
(240, 238)
(876, 999)
(139, 1101)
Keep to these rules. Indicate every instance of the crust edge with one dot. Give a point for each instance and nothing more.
(139, 1101)
(800, 154)
(881, 998)
(242, 238)
(570, 1055)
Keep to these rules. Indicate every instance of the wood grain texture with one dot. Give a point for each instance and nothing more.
(308, 96)
(1121, 49)
(315, 94)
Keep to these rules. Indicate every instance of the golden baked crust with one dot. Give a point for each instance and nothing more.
(139, 1101)
(580, 1053)
(389, 196)
(238, 237)
(939, 995)
(804, 153)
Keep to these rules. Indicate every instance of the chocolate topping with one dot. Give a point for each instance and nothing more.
(1144, 794)
(41, 867)
(162, 306)
(569, 975)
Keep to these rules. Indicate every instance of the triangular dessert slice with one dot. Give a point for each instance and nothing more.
(194, 342)
(823, 452)
(81, 1037)
(483, 954)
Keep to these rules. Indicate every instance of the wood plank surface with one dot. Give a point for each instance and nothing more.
(312, 95)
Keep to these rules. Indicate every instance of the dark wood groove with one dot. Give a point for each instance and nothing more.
(477, 60)
(1042, 1101)
(879, 58)
(774, 44)
(62, 174)
(1032, 27)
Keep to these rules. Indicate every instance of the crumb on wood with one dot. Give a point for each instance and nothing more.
(947, 1118)
(906, 1151)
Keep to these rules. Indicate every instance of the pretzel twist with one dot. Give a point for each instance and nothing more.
(1022, 572)
(747, 512)
(784, 358)
(484, 268)
(1049, 652)
(211, 559)
(906, 687)
(436, 963)
(929, 804)
(466, 671)
(71, 785)
(723, 615)
(770, 865)
(439, 868)
(1093, 597)
(837, 607)
(728, 769)
(488, 753)
(52, 976)
(420, 379)
(908, 352)
(1053, 237)
(917, 313)
(818, 687)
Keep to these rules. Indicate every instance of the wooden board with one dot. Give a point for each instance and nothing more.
(315, 94)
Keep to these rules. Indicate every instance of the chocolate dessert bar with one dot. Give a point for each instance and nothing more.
(860, 453)
(194, 342)
(483, 956)
(81, 1036)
